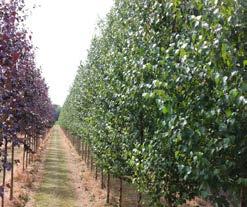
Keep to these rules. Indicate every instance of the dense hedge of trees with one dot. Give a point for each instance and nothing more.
(25, 108)
(162, 99)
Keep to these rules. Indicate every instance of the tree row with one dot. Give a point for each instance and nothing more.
(25, 108)
(161, 99)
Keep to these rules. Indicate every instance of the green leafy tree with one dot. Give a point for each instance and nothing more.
(162, 99)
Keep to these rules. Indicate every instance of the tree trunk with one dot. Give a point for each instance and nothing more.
(32, 144)
(108, 188)
(4, 168)
(5, 160)
(3, 201)
(12, 172)
(243, 197)
(86, 152)
(120, 192)
(27, 151)
(82, 150)
(96, 172)
(23, 157)
(102, 179)
(139, 204)
(88, 155)
(80, 143)
(91, 162)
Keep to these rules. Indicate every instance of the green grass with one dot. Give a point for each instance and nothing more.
(55, 189)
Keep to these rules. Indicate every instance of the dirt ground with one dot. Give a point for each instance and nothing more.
(88, 189)
(64, 179)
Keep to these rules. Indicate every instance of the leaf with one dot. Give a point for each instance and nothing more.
(233, 93)
(228, 112)
(15, 56)
(245, 63)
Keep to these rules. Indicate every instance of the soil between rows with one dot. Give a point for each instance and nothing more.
(66, 181)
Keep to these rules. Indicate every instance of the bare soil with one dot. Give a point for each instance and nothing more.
(88, 191)
(63, 178)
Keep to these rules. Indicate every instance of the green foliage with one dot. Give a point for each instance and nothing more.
(162, 98)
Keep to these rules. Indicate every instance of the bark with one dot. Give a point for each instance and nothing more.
(120, 192)
(5, 160)
(82, 150)
(91, 162)
(243, 197)
(96, 172)
(12, 171)
(102, 179)
(88, 155)
(23, 157)
(108, 188)
(29, 154)
(139, 204)
(27, 151)
(2, 201)
(86, 152)
(4, 169)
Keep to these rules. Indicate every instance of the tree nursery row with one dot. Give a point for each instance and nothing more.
(161, 99)
(26, 112)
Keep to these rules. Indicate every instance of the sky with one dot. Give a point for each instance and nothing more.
(62, 32)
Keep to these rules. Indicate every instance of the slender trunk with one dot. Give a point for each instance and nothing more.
(30, 147)
(12, 172)
(36, 145)
(23, 157)
(5, 160)
(108, 188)
(4, 168)
(2, 201)
(82, 150)
(27, 151)
(139, 200)
(102, 179)
(79, 146)
(86, 152)
(96, 172)
(91, 162)
(120, 192)
(32, 144)
(243, 197)
(88, 155)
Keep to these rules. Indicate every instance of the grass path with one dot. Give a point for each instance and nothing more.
(56, 189)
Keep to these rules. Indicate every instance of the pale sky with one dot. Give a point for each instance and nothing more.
(62, 31)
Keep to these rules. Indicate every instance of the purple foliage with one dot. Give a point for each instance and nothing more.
(25, 107)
